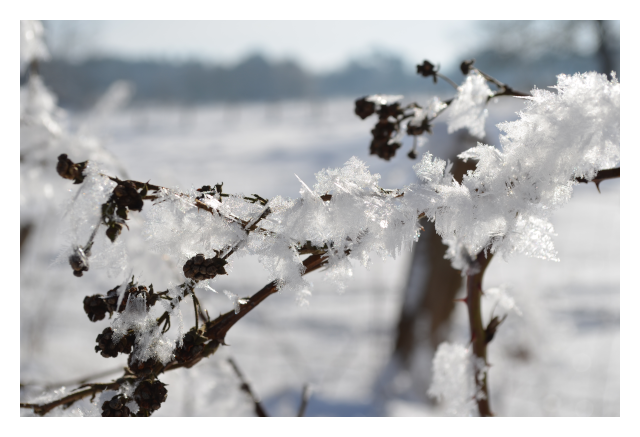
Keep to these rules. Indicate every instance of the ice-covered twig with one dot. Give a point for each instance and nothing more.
(215, 330)
(91, 390)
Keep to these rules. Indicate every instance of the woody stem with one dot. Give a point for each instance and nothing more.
(473, 300)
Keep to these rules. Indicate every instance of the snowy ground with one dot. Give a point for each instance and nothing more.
(560, 358)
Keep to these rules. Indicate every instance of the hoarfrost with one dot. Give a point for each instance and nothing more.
(506, 203)
(468, 109)
(453, 381)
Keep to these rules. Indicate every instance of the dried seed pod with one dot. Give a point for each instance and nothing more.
(192, 344)
(150, 296)
(387, 111)
(364, 108)
(79, 261)
(95, 307)
(466, 66)
(108, 348)
(141, 368)
(126, 195)
(68, 170)
(427, 69)
(116, 407)
(149, 395)
(199, 268)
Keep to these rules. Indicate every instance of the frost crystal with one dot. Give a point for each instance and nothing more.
(453, 381)
(468, 109)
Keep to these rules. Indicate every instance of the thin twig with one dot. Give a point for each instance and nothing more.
(306, 394)
(452, 83)
(260, 412)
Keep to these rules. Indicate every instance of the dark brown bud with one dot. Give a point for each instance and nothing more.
(387, 111)
(364, 108)
(68, 170)
(150, 395)
(116, 407)
(427, 69)
(108, 348)
(79, 261)
(466, 66)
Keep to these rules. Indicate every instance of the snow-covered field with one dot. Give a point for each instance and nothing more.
(560, 358)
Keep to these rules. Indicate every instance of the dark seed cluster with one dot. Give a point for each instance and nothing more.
(126, 195)
(68, 170)
(364, 108)
(150, 296)
(97, 306)
(427, 69)
(116, 407)
(108, 348)
(199, 267)
(192, 344)
(149, 395)
(380, 145)
(79, 261)
(141, 367)
(465, 67)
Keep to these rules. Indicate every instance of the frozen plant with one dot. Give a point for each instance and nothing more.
(560, 139)
(500, 207)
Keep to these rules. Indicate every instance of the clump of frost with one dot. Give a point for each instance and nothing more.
(434, 106)
(468, 109)
(150, 342)
(501, 300)
(506, 203)
(453, 381)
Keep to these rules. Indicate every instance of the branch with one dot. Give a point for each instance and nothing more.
(91, 390)
(215, 330)
(602, 175)
(306, 394)
(260, 412)
(474, 293)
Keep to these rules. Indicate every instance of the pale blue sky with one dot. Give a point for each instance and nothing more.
(317, 45)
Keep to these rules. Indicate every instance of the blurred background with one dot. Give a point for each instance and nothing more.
(250, 104)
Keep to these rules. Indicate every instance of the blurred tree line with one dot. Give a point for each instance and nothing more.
(522, 53)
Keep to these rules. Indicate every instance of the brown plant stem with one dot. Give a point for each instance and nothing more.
(215, 330)
(478, 340)
(306, 394)
(91, 390)
(260, 411)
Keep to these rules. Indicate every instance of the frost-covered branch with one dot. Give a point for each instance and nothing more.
(466, 110)
(197, 345)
